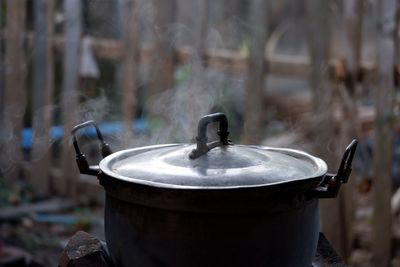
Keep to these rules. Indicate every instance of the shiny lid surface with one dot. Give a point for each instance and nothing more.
(227, 166)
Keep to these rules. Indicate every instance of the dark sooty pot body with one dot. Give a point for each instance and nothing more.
(172, 205)
(284, 233)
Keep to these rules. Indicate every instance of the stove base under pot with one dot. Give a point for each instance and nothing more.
(84, 250)
(326, 254)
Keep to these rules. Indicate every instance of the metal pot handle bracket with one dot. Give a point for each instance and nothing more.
(81, 160)
(330, 186)
(201, 138)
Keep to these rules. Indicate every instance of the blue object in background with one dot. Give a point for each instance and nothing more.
(107, 128)
(364, 159)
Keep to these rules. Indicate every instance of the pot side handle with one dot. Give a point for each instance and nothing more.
(330, 185)
(81, 160)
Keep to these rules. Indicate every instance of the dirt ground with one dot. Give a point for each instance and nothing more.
(42, 236)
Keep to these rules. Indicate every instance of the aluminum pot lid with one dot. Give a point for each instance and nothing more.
(222, 166)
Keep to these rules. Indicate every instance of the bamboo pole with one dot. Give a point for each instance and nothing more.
(383, 142)
(252, 131)
(129, 34)
(70, 94)
(163, 60)
(14, 92)
(200, 29)
(354, 17)
(43, 87)
(349, 91)
(332, 221)
(2, 65)
(397, 44)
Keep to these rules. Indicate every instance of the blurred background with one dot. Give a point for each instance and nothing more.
(307, 74)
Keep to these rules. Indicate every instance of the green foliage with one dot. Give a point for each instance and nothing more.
(244, 48)
(182, 74)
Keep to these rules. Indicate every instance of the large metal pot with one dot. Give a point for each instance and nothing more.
(213, 204)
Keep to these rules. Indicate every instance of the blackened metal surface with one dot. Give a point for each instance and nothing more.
(326, 255)
(269, 199)
(142, 236)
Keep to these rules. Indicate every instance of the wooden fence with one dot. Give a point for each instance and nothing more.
(49, 46)
(38, 87)
(46, 45)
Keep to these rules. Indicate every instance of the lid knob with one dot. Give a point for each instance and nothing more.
(201, 138)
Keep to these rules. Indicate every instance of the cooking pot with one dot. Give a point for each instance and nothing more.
(212, 204)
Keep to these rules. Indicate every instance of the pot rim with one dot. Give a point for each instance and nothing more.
(106, 162)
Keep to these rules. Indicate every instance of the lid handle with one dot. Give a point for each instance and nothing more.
(201, 138)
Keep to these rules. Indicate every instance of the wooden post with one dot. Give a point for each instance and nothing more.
(2, 65)
(14, 93)
(383, 142)
(332, 221)
(70, 95)
(349, 90)
(200, 28)
(163, 63)
(253, 119)
(397, 46)
(195, 34)
(129, 25)
(354, 17)
(43, 79)
(217, 12)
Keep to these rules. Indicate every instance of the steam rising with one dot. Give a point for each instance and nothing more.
(172, 114)
(175, 111)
